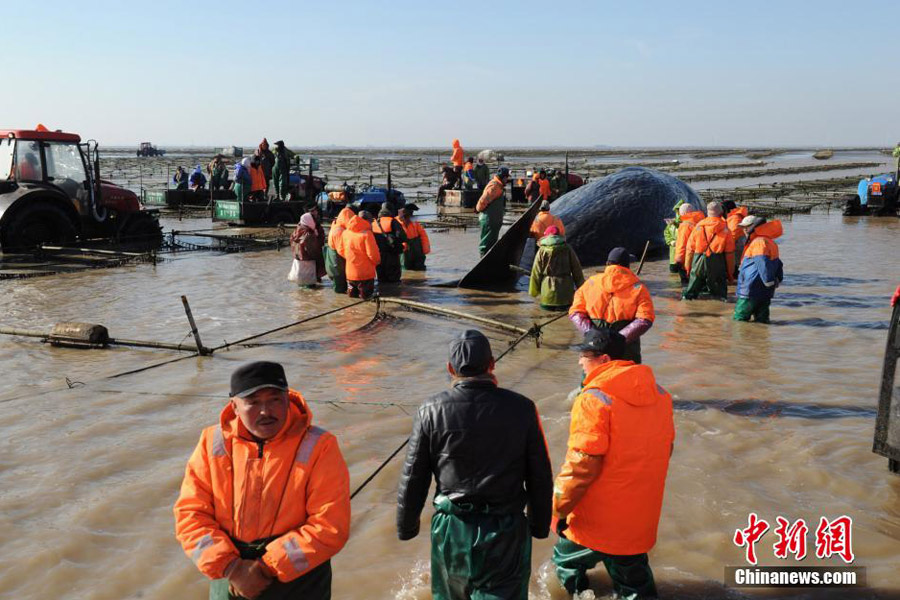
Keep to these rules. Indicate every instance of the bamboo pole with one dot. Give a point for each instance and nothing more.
(430, 308)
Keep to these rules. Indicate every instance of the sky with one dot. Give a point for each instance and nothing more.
(493, 74)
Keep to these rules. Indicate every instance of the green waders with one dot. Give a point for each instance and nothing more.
(708, 275)
(631, 576)
(241, 191)
(491, 221)
(748, 307)
(312, 585)
(280, 181)
(336, 266)
(413, 259)
(632, 349)
(477, 554)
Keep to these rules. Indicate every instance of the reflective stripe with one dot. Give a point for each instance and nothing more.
(205, 542)
(218, 445)
(599, 396)
(295, 555)
(308, 444)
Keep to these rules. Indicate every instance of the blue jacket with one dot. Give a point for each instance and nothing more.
(758, 277)
(242, 175)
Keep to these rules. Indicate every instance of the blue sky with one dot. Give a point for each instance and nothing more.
(421, 73)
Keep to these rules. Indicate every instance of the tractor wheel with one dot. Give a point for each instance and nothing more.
(36, 224)
(140, 231)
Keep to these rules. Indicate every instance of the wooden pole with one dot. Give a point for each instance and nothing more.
(643, 257)
(201, 349)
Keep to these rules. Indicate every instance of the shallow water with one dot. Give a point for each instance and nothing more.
(775, 420)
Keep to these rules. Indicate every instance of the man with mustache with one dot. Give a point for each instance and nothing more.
(265, 501)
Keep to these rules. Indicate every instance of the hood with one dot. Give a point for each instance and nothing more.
(456, 143)
(713, 225)
(635, 384)
(264, 144)
(617, 277)
(693, 217)
(769, 229)
(740, 211)
(299, 417)
(344, 217)
(358, 225)
(552, 240)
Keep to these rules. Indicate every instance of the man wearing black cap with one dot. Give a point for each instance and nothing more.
(265, 501)
(485, 447)
(491, 207)
(608, 496)
(417, 244)
(615, 299)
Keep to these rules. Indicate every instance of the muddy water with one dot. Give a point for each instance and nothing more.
(776, 420)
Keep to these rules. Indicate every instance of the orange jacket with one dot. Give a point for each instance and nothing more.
(614, 295)
(734, 220)
(761, 243)
(542, 221)
(415, 230)
(624, 419)
(492, 191)
(295, 486)
(337, 230)
(710, 236)
(257, 179)
(545, 188)
(360, 250)
(685, 228)
(458, 156)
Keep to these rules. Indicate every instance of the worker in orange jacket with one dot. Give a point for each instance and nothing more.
(458, 156)
(360, 250)
(689, 219)
(761, 270)
(265, 501)
(335, 265)
(417, 243)
(615, 299)
(544, 185)
(734, 214)
(607, 498)
(543, 220)
(490, 208)
(709, 256)
(258, 182)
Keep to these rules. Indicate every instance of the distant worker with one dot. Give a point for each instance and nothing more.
(543, 220)
(556, 272)
(258, 178)
(607, 498)
(532, 189)
(180, 179)
(491, 207)
(709, 256)
(218, 173)
(335, 265)
(265, 501)
(689, 219)
(267, 162)
(281, 171)
(361, 253)
(468, 174)
(734, 214)
(485, 447)
(670, 234)
(482, 173)
(243, 181)
(896, 155)
(615, 299)
(417, 242)
(558, 184)
(449, 181)
(28, 167)
(313, 210)
(306, 250)
(197, 180)
(391, 238)
(458, 157)
(544, 185)
(761, 270)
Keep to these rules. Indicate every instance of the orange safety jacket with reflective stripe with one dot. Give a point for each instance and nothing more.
(337, 230)
(733, 221)
(360, 250)
(710, 236)
(294, 486)
(761, 240)
(413, 230)
(458, 156)
(614, 295)
(542, 221)
(688, 222)
(257, 179)
(492, 191)
(623, 416)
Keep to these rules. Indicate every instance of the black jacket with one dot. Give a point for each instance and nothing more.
(485, 446)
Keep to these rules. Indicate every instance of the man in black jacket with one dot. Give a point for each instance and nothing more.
(487, 452)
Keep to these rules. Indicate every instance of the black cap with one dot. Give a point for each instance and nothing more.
(604, 341)
(470, 353)
(619, 256)
(410, 207)
(503, 172)
(256, 376)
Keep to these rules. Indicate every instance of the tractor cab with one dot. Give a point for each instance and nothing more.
(879, 195)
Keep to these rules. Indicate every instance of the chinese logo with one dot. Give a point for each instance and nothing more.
(832, 538)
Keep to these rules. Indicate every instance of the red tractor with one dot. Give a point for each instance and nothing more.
(51, 193)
